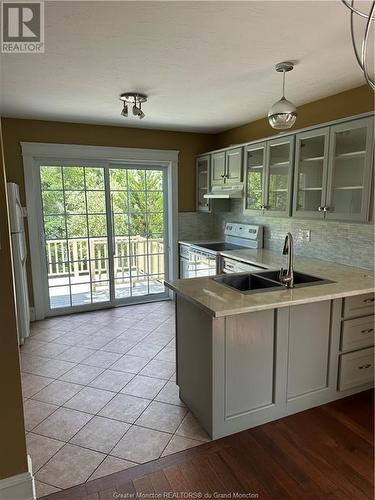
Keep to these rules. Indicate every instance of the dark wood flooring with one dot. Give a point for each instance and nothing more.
(325, 452)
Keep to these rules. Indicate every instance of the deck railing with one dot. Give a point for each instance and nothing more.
(136, 255)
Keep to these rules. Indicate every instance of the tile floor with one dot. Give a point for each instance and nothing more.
(100, 394)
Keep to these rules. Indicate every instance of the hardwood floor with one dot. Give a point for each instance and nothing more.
(325, 452)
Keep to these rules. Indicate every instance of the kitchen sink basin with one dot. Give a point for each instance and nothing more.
(248, 283)
(300, 279)
(265, 281)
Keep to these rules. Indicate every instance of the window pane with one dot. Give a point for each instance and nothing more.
(118, 179)
(137, 201)
(75, 202)
(78, 249)
(119, 202)
(154, 180)
(156, 284)
(154, 201)
(156, 244)
(122, 288)
(53, 202)
(136, 180)
(50, 178)
(59, 297)
(99, 270)
(138, 224)
(100, 292)
(77, 226)
(155, 223)
(98, 248)
(122, 246)
(156, 264)
(74, 178)
(81, 294)
(121, 267)
(121, 225)
(94, 178)
(54, 227)
(97, 225)
(96, 202)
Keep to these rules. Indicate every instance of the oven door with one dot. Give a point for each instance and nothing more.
(203, 263)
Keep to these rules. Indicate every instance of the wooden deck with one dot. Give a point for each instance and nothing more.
(325, 452)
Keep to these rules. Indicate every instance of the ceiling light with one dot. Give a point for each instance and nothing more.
(283, 113)
(124, 111)
(134, 99)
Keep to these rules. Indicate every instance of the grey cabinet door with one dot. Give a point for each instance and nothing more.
(279, 176)
(350, 170)
(309, 349)
(218, 168)
(310, 175)
(233, 174)
(202, 183)
(255, 168)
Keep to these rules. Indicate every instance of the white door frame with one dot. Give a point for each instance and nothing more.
(34, 153)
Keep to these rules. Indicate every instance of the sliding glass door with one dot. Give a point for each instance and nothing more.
(105, 234)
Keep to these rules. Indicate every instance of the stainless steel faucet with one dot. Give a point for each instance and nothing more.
(287, 276)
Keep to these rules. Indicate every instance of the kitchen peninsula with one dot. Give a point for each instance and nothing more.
(247, 358)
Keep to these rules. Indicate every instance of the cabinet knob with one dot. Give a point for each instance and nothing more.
(368, 330)
(320, 209)
(368, 301)
(364, 367)
(326, 209)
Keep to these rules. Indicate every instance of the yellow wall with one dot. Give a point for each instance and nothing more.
(348, 103)
(189, 144)
(12, 431)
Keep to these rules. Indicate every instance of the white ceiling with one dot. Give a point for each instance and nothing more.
(206, 66)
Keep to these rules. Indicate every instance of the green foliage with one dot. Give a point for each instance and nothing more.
(74, 203)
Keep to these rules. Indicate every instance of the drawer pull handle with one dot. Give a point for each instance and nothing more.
(364, 367)
(369, 330)
(368, 301)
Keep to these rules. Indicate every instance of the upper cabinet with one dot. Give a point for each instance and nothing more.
(350, 170)
(268, 176)
(202, 182)
(333, 171)
(310, 174)
(226, 167)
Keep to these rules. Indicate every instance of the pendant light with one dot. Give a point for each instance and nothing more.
(283, 113)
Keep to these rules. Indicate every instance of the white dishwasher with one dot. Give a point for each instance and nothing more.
(237, 266)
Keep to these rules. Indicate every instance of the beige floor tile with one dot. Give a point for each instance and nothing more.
(45, 367)
(94, 341)
(82, 374)
(90, 400)
(162, 417)
(102, 359)
(75, 354)
(167, 354)
(179, 443)
(32, 345)
(51, 350)
(125, 408)
(58, 392)
(120, 345)
(41, 449)
(144, 350)
(159, 369)
(63, 424)
(69, 338)
(143, 387)
(43, 489)
(111, 380)
(36, 412)
(191, 428)
(130, 364)
(170, 394)
(110, 465)
(70, 466)
(141, 445)
(31, 384)
(100, 434)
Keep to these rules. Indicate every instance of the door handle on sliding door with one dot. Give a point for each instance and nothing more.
(113, 228)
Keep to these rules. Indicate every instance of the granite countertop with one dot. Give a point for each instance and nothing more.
(220, 300)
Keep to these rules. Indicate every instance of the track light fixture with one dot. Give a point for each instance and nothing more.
(135, 100)
(283, 113)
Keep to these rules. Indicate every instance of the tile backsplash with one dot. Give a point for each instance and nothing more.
(345, 243)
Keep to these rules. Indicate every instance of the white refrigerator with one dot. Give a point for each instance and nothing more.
(16, 215)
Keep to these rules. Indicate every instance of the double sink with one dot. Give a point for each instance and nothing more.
(266, 281)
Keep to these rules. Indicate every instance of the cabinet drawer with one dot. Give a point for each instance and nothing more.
(358, 332)
(359, 305)
(356, 368)
(184, 251)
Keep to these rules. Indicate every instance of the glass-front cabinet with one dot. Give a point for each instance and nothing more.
(349, 171)
(310, 173)
(268, 176)
(203, 182)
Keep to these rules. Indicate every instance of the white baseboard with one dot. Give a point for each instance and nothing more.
(19, 487)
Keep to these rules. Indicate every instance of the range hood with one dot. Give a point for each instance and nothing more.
(225, 192)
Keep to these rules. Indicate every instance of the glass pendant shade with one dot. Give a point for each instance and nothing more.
(282, 115)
